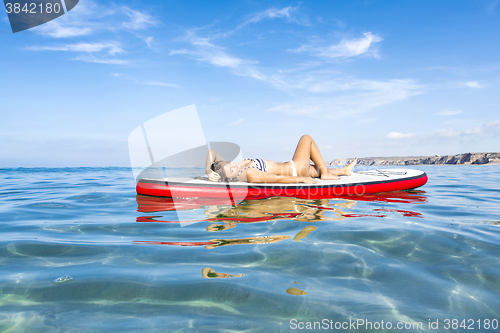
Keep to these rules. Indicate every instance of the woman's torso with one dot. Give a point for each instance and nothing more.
(280, 168)
(276, 168)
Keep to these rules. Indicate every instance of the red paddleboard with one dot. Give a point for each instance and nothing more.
(359, 183)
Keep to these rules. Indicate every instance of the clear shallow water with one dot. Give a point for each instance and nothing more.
(432, 253)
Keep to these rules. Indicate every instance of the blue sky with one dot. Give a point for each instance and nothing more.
(364, 78)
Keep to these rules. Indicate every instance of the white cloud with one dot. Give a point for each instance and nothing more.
(472, 131)
(112, 47)
(157, 83)
(56, 29)
(212, 55)
(492, 126)
(147, 82)
(449, 112)
(149, 41)
(445, 133)
(89, 17)
(473, 84)
(138, 20)
(74, 24)
(320, 83)
(489, 128)
(346, 48)
(271, 13)
(94, 59)
(205, 51)
(367, 94)
(224, 60)
(358, 96)
(400, 136)
(235, 123)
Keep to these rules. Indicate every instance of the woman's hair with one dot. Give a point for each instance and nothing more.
(218, 167)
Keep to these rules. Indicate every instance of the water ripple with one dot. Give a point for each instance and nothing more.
(134, 263)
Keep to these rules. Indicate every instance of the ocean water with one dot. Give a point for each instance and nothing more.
(80, 252)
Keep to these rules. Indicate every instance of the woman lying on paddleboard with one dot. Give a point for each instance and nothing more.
(257, 170)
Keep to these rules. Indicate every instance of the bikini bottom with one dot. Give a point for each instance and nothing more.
(294, 170)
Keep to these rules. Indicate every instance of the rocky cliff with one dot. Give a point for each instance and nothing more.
(465, 159)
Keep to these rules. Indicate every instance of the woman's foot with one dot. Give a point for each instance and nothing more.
(350, 166)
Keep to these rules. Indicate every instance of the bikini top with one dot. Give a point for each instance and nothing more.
(258, 163)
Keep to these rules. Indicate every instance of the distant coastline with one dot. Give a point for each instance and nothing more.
(460, 159)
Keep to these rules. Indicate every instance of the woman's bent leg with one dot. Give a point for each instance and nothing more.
(308, 150)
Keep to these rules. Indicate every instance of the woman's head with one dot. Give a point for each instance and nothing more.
(228, 171)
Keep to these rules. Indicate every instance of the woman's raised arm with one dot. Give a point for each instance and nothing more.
(212, 157)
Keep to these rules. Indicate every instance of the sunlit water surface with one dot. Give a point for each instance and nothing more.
(80, 252)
